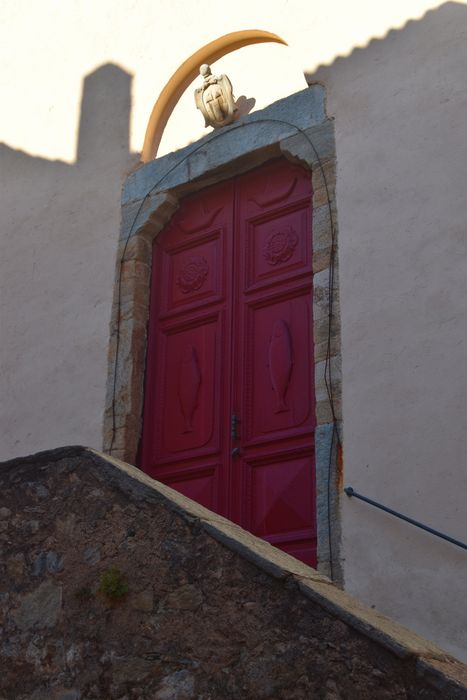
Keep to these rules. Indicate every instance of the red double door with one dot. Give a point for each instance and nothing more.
(229, 398)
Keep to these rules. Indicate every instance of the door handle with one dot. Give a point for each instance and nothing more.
(234, 427)
(235, 452)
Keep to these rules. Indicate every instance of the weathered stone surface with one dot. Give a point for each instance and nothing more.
(91, 555)
(274, 123)
(38, 490)
(211, 612)
(131, 667)
(40, 564)
(321, 294)
(54, 562)
(187, 597)
(40, 608)
(55, 694)
(15, 566)
(143, 600)
(327, 499)
(67, 694)
(177, 686)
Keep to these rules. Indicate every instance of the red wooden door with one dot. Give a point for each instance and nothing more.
(229, 398)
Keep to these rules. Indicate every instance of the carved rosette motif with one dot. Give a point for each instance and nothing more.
(193, 275)
(279, 246)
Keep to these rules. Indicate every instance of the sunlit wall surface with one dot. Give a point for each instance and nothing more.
(48, 47)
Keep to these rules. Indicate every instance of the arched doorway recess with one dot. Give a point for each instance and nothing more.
(153, 193)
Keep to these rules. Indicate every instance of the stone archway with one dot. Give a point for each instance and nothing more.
(297, 128)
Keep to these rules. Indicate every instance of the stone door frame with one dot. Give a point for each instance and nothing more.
(297, 128)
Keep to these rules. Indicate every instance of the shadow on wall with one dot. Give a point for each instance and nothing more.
(244, 105)
(59, 230)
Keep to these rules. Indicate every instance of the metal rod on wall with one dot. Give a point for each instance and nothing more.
(353, 494)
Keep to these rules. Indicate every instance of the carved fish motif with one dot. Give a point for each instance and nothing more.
(189, 382)
(204, 221)
(280, 362)
(266, 199)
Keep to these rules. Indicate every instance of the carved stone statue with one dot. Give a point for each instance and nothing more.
(215, 98)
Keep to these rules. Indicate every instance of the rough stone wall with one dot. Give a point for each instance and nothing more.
(210, 611)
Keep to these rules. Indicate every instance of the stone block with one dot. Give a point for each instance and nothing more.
(143, 601)
(276, 123)
(321, 228)
(324, 413)
(40, 608)
(321, 293)
(138, 248)
(328, 490)
(149, 213)
(135, 293)
(186, 597)
(322, 140)
(179, 685)
(91, 555)
(321, 349)
(323, 197)
(135, 270)
(323, 374)
(321, 260)
(131, 311)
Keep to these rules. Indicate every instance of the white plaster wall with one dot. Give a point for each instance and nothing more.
(399, 105)
(401, 139)
(59, 226)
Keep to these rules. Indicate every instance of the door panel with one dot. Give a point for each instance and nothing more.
(190, 373)
(280, 500)
(186, 411)
(194, 273)
(275, 250)
(230, 334)
(277, 495)
(199, 484)
(277, 355)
